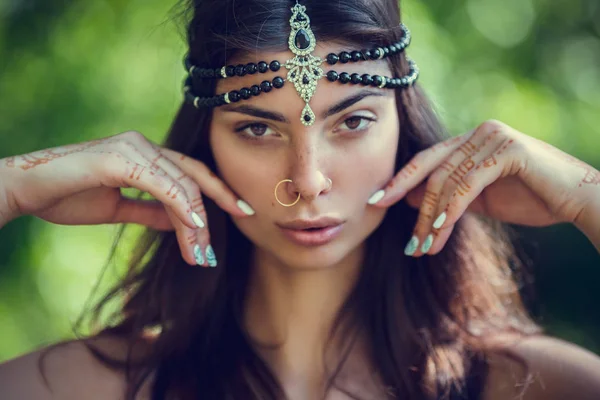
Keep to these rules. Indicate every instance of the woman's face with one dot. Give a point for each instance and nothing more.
(260, 141)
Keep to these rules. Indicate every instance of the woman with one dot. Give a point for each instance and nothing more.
(311, 185)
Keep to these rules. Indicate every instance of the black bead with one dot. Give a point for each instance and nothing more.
(386, 50)
(251, 68)
(274, 66)
(366, 79)
(367, 53)
(234, 96)
(262, 67)
(404, 82)
(332, 76)
(355, 78)
(377, 80)
(209, 73)
(305, 80)
(356, 56)
(332, 58)
(255, 90)
(240, 70)
(278, 82)
(345, 57)
(230, 70)
(344, 77)
(265, 86)
(393, 48)
(375, 54)
(307, 117)
(245, 93)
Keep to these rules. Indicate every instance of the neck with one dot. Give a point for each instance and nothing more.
(289, 313)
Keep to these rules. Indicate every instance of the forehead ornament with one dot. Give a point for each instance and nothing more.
(304, 69)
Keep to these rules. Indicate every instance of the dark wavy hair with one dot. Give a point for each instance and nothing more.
(426, 319)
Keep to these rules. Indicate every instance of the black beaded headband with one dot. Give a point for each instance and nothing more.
(303, 70)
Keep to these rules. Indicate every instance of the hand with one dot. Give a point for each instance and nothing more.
(79, 184)
(493, 170)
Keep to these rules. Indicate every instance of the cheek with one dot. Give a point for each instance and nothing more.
(372, 164)
(242, 168)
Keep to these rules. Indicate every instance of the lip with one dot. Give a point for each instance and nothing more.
(322, 222)
(317, 237)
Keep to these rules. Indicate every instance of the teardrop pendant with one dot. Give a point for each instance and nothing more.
(308, 116)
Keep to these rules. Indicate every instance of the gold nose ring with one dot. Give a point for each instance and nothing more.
(277, 198)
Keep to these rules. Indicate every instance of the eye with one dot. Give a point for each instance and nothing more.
(358, 123)
(252, 131)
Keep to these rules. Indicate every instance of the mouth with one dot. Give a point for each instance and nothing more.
(314, 236)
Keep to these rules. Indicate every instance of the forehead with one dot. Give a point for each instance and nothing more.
(287, 98)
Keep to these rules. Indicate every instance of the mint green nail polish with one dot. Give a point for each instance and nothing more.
(411, 246)
(210, 256)
(427, 244)
(198, 255)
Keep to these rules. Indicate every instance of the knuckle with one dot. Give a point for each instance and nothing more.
(134, 136)
(491, 125)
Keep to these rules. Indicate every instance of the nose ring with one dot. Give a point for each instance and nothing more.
(277, 198)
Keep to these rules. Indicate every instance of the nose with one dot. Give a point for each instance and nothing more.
(307, 172)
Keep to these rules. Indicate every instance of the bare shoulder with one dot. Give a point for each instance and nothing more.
(541, 367)
(65, 371)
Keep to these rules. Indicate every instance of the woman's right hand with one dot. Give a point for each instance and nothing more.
(79, 184)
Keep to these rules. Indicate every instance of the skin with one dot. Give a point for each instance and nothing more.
(295, 291)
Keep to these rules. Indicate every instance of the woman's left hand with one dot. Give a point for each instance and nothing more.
(493, 170)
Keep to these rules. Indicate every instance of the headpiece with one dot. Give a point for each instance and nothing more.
(304, 69)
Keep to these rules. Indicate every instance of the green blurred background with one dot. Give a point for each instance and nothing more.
(77, 70)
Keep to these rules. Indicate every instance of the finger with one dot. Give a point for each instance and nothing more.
(487, 172)
(117, 171)
(444, 180)
(150, 213)
(440, 237)
(193, 242)
(210, 184)
(417, 169)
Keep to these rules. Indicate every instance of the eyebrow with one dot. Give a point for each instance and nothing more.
(275, 116)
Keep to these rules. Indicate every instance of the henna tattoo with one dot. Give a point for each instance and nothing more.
(430, 198)
(410, 169)
(504, 147)
(447, 166)
(467, 148)
(592, 177)
(191, 239)
(175, 191)
(32, 160)
(137, 167)
(462, 170)
(488, 162)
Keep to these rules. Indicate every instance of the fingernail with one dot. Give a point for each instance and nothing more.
(378, 195)
(210, 256)
(411, 246)
(242, 205)
(197, 220)
(198, 255)
(440, 220)
(427, 244)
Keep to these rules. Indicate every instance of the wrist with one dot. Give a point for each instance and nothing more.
(6, 212)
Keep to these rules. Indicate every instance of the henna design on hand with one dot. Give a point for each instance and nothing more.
(28, 161)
